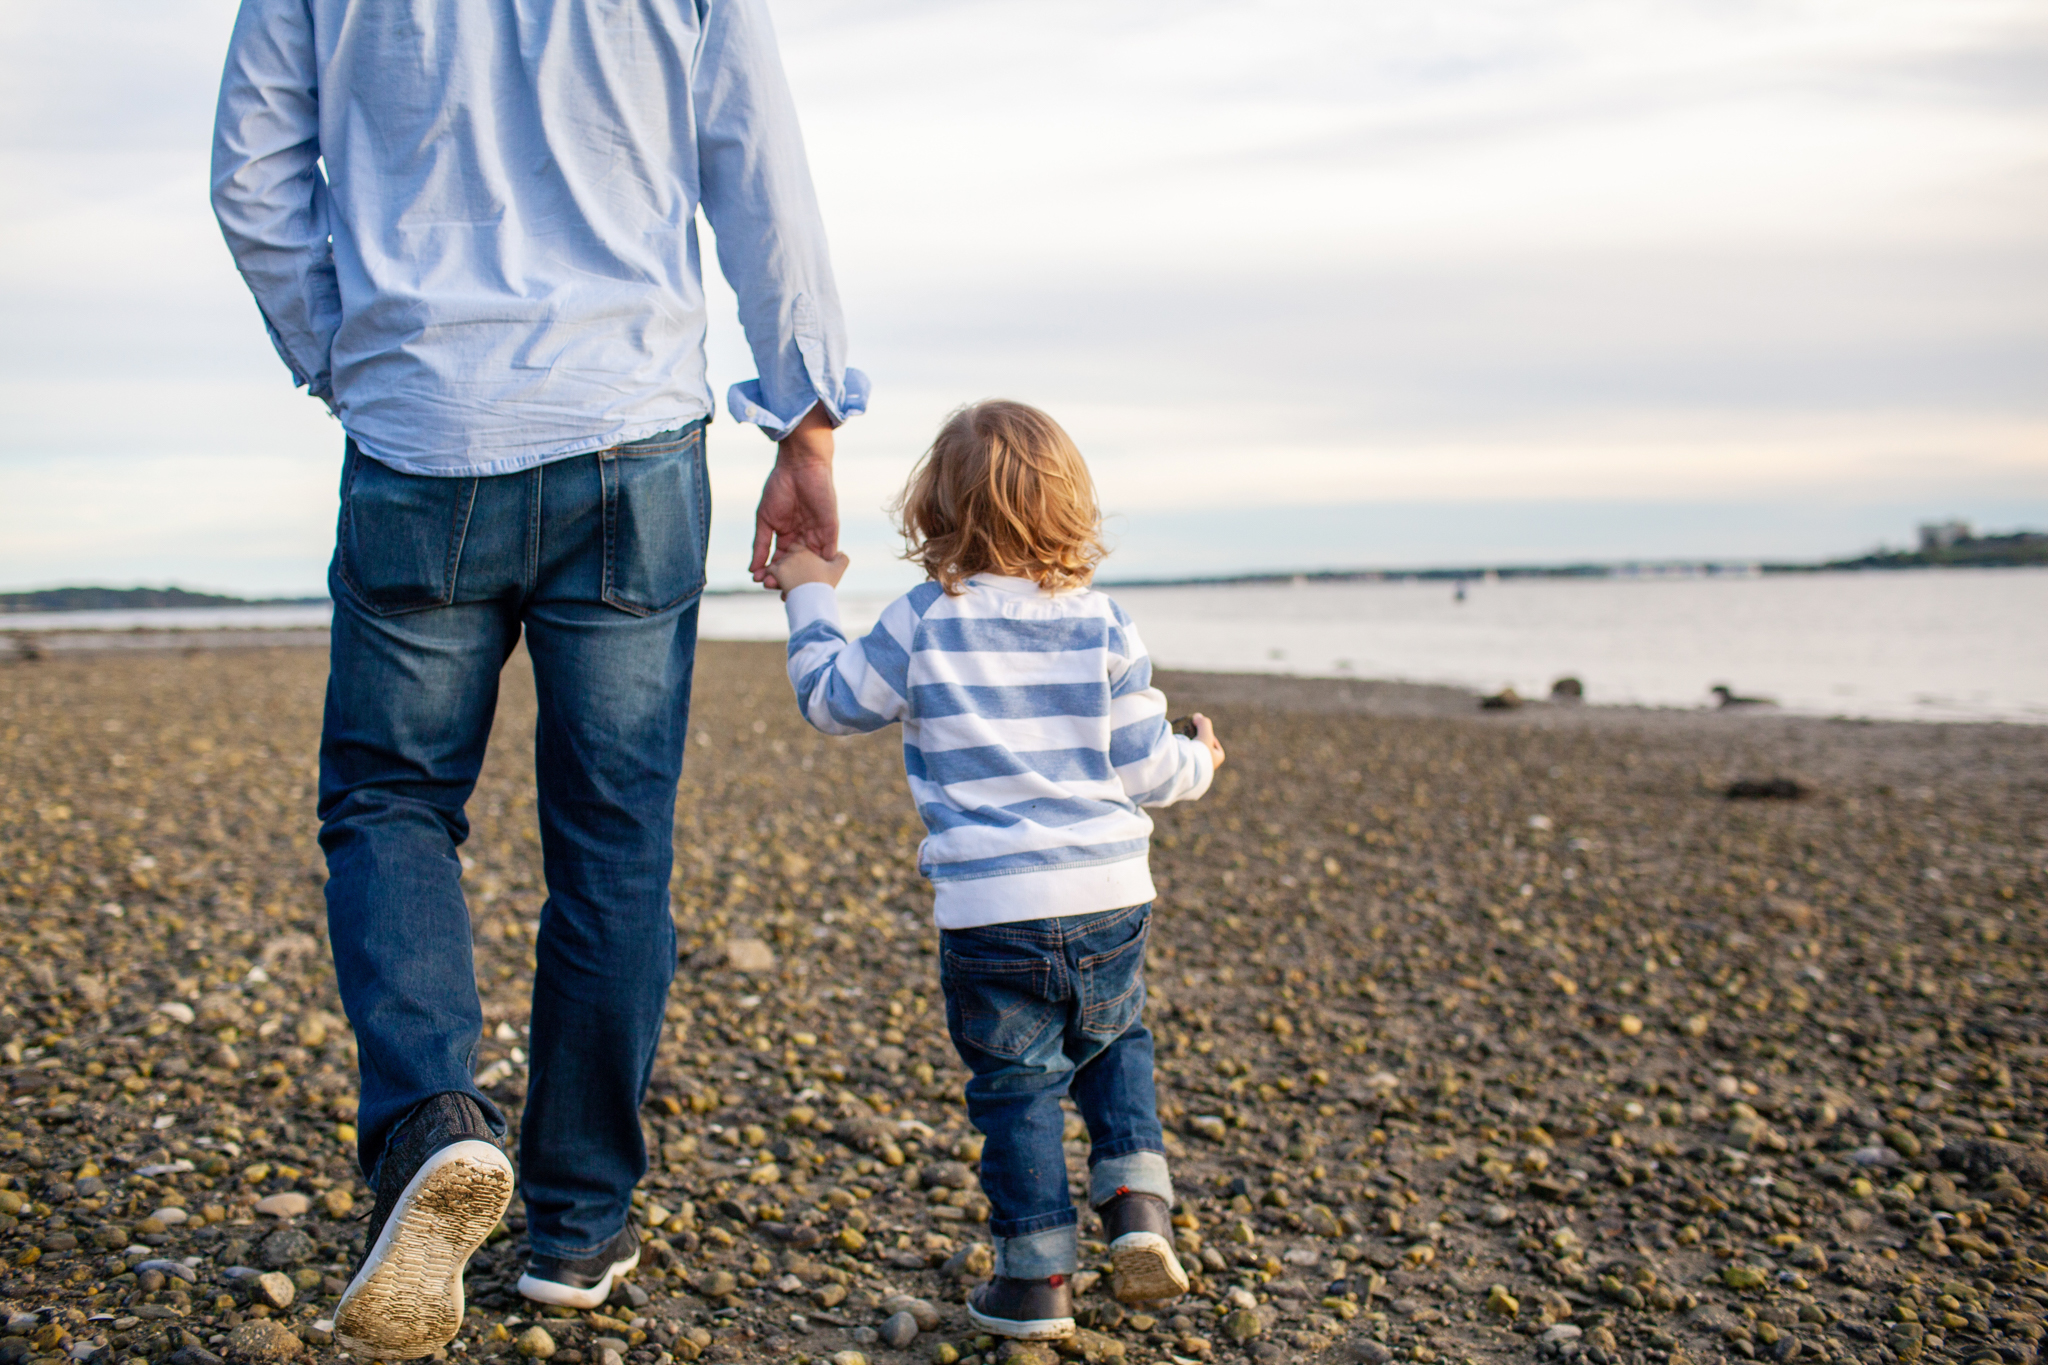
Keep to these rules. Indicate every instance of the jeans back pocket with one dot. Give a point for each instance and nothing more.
(657, 521)
(1113, 985)
(400, 538)
(998, 1004)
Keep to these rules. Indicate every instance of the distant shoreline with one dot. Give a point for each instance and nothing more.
(2034, 555)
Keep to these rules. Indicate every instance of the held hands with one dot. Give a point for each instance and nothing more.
(794, 568)
(1205, 735)
(799, 507)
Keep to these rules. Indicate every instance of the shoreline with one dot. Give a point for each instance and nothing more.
(1304, 693)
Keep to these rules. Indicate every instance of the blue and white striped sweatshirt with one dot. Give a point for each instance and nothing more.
(1032, 735)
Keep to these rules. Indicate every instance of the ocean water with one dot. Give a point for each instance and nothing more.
(1941, 645)
(1935, 645)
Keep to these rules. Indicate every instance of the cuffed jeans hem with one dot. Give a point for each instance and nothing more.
(1037, 1222)
(1039, 1255)
(1141, 1172)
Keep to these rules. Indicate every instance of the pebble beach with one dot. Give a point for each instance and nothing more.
(1483, 1036)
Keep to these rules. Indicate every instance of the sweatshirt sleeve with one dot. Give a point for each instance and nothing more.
(268, 191)
(848, 687)
(1155, 766)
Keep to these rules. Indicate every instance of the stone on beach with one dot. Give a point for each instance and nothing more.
(289, 1204)
(263, 1340)
(749, 955)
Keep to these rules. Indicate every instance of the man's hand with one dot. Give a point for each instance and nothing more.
(1205, 735)
(794, 568)
(799, 507)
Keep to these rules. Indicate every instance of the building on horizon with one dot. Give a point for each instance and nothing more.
(1937, 536)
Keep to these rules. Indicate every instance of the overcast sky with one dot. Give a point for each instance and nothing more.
(1313, 284)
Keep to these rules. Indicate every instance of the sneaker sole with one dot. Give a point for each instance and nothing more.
(568, 1295)
(1143, 1269)
(406, 1301)
(1026, 1329)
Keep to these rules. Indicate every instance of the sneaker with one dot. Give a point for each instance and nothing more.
(1142, 1266)
(442, 1185)
(585, 1282)
(1026, 1310)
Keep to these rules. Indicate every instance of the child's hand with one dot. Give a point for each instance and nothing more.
(1205, 735)
(798, 567)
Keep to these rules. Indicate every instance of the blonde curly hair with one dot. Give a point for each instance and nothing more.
(1002, 490)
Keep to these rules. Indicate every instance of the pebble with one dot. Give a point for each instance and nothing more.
(337, 1202)
(1560, 1332)
(1744, 1277)
(535, 1343)
(921, 1311)
(276, 1290)
(848, 1358)
(289, 1204)
(975, 1261)
(899, 1329)
(1026, 1353)
(749, 955)
(287, 1247)
(1242, 1325)
(263, 1339)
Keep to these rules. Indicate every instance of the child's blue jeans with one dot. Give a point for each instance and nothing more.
(1039, 1009)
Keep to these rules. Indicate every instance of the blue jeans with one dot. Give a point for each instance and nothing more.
(1041, 1009)
(599, 560)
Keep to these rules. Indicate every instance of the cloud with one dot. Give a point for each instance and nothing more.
(1290, 255)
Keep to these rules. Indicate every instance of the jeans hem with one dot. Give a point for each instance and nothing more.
(1122, 1147)
(540, 1247)
(1140, 1172)
(1039, 1256)
(1039, 1222)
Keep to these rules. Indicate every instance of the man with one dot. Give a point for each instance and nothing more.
(469, 225)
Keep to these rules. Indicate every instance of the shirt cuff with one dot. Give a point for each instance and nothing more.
(813, 602)
(747, 403)
(1205, 765)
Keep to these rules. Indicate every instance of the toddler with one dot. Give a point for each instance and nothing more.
(1033, 737)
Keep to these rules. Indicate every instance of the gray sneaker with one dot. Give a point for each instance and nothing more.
(584, 1282)
(442, 1185)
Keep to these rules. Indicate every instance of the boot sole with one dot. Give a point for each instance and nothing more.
(1143, 1269)
(406, 1301)
(561, 1295)
(1022, 1329)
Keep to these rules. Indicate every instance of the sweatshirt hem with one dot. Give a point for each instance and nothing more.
(1048, 893)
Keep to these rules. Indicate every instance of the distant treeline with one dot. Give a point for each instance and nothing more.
(126, 599)
(1976, 552)
(2018, 549)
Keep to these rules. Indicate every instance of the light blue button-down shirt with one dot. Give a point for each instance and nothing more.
(471, 224)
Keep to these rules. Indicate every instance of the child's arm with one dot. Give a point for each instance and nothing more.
(1155, 766)
(843, 687)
